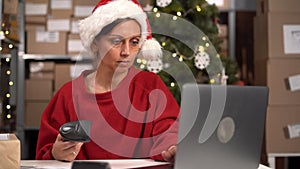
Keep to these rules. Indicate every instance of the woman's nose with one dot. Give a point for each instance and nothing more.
(125, 51)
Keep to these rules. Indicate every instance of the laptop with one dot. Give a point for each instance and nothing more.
(221, 126)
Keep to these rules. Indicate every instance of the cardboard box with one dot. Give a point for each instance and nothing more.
(85, 3)
(274, 73)
(223, 31)
(33, 112)
(74, 25)
(266, 6)
(278, 118)
(41, 75)
(47, 66)
(11, 25)
(61, 14)
(82, 11)
(269, 35)
(10, 149)
(36, 7)
(36, 20)
(11, 6)
(35, 27)
(74, 44)
(37, 90)
(83, 8)
(43, 42)
(62, 75)
(70, 71)
(61, 8)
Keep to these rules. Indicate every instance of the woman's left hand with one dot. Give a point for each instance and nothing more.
(169, 155)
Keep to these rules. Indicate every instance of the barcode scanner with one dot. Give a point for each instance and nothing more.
(78, 131)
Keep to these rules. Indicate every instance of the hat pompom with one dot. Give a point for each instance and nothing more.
(151, 49)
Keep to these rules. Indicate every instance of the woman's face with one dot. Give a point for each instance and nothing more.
(117, 49)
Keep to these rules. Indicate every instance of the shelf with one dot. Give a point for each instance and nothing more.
(55, 57)
(3, 56)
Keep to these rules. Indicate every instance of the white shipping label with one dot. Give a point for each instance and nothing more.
(48, 37)
(58, 25)
(291, 39)
(4, 136)
(74, 27)
(294, 130)
(75, 45)
(61, 4)
(83, 11)
(294, 82)
(36, 9)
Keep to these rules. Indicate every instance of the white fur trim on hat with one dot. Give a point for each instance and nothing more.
(151, 49)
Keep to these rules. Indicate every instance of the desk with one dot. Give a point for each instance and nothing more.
(114, 164)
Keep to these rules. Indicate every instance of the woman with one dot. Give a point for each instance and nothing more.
(133, 113)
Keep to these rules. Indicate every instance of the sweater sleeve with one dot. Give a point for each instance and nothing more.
(54, 115)
(165, 125)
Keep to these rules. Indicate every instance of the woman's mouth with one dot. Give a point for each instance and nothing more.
(123, 63)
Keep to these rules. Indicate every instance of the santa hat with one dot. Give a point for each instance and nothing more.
(106, 12)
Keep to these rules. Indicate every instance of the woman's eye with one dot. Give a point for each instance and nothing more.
(135, 42)
(116, 41)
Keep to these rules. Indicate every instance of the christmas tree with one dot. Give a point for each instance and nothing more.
(188, 31)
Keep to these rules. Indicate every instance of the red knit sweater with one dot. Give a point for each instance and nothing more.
(138, 119)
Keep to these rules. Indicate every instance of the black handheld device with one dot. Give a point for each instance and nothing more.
(78, 131)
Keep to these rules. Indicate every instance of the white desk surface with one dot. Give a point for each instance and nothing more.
(114, 164)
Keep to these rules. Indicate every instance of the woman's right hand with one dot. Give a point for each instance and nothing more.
(65, 150)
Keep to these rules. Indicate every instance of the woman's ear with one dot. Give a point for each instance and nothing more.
(94, 46)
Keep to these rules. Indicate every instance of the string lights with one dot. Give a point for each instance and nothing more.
(202, 59)
(6, 59)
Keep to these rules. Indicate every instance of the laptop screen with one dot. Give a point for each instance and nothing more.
(221, 126)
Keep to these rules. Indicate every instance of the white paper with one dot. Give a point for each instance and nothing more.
(61, 4)
(294, 82)
(291, 39)
(75, 45)
(4, 137)
(44, 164)
(74, 27)
(35, 9)
(48, 37)
(58, 25)
(83, 11)
(294, 130)
(114, 164)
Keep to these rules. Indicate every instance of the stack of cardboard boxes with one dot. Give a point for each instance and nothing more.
(277, 59)
(38, 91)
(51, 29)
(45, 79)
(51, 25)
